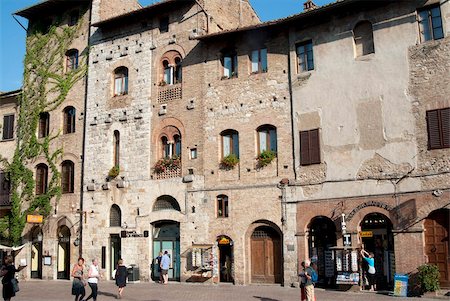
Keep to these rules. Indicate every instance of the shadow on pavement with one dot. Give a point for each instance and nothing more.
(265, 299)
(106, 294)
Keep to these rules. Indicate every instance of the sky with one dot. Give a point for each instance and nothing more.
(12, 35)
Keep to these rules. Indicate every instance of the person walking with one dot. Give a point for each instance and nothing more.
(78, 283)
(93, 277)
(121, 277)
(369, 258)
(311, 279)
(165, 265)
(8, 271)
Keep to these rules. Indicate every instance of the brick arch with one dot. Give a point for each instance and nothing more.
(170, 121)
(354, 224)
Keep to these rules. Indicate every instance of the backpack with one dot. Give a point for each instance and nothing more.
(314, 277)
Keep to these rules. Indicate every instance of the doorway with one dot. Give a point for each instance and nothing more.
(166, 237)
(36, 253)
(115, 251)
(63, 264)
(266, 261)
(379, 240)
(225, 245)
(437, 243)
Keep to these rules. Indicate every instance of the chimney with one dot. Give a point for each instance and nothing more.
(309, 5)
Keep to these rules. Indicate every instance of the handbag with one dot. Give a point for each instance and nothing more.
(15, 285)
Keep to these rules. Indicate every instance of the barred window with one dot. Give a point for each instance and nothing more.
(115, 216)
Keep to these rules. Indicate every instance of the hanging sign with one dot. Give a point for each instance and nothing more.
(366, 234)
(35, 219)
(224, 241)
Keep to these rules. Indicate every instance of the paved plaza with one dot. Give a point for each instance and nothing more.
(60, 290)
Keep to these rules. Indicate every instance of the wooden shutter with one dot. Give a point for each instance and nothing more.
(438, 125)
(8, 127)
(304, 148)
(445, 127)
(314, 146)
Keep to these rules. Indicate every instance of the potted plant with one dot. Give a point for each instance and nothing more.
(162, 83)
(167, 164)
(230, 161)
(113, 172)
(265, 158)
(429, 277)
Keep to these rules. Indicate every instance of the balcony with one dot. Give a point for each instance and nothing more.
(169, 93)
(167, 174)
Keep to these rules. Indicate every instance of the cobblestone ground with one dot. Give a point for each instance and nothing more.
(60, 290)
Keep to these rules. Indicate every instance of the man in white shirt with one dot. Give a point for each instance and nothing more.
(165, 265)
(93, 277)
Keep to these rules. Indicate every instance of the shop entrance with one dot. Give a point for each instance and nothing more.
(266, 255)
(36, 253)
(63, 264)
(115, 251)
(166, 237)
(437, 243)
(322, 237)
(376, 235)
(225, 245)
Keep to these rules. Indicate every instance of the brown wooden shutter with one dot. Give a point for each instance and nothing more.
(314, 146)
(434, 138)
(445, 127)
(65, 178)
(8, 127)
(304, 148)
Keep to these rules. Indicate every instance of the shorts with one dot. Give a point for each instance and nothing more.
(164, 272)
(371, 278)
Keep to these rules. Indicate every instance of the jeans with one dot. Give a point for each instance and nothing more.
(94, 289)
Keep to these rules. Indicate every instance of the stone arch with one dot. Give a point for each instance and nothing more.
(166, 202)
(358, 214)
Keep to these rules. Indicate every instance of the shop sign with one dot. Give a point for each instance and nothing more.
(347, 278)
(366, 234)
(224, 241)
(35, 219)
(369, 204)
(347, 240)
(125, 234)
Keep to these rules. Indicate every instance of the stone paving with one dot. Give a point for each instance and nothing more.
(60, 290)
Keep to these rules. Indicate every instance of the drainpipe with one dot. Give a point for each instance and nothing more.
(291, 99)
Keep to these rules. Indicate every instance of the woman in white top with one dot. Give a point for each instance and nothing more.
(93, 277)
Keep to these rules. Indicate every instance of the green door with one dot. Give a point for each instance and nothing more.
(167, 238)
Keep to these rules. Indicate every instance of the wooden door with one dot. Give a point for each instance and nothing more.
(437, 243)
(266, 257)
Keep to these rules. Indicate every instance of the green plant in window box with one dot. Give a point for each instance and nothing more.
(162, 83)
(429, 277)
(167, 164)
(230, 161)
(114, 172)
(265, 158)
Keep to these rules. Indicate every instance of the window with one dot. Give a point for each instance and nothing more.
(171, 142)
(44, 125)
(41, 178)
(309, 147)
(8, 127)
(166, 202)
(430, 23)
(259, 60)
(438, 124)
(267, 138)
(5, 189)
(363, 38)
(222, 206)
(71, 60)
(230, 64)
(194, 153)
(164, 24)
(115, 216)
(69, 120)
(67, 177)
(172, 68)
(116, 148)
(121, 81)
(230, 143)
(73, 18)
(305, 56)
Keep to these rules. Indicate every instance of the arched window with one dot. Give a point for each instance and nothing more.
(41, 178)
(67, 177)
(171, 64)
(363, 37)
(222, 206)
(69, 120)
(166, 202)
(230, 143)
(116, 148)
(121, 81)
(267, 138)
(115, 216)
(170, 142)
(71, 60)
(44, 125)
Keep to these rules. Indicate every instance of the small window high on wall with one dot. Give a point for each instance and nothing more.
(267, 138)
(438, 125)
(430, 23)
(259, 60)
(69, 120)
(171, 65)
(222, 206)
(41, 179)
(363, 38)
(71, 60)
(230, 143)
(67, 177)
(120, 81)
(229, 62)
(309, 147)
(115, 216)
(116, 148)
(44, 125)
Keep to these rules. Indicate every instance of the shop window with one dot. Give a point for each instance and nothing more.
(115, 216)
(8, 127)
(430, 23)
(121, 81)
(69, 120)
(229, 62)
(44, 125)
(258, 60)
(171, 65)
(305, 57)
(309, 147)
(67, 177)
(438, 125)
(71, 60)
(363, 38)
(267, 138)
(222, 206)
(230, 143)
(116, 148)
(41, 179)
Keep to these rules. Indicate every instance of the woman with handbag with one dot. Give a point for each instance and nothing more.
(9, 281)
(78, 283)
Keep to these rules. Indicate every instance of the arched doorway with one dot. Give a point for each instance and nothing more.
(166, 237)
(225, 245)
(378, 239)
(322, 236)
(36, 253)
(437, 243)
(266, 255)
(63, 264)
